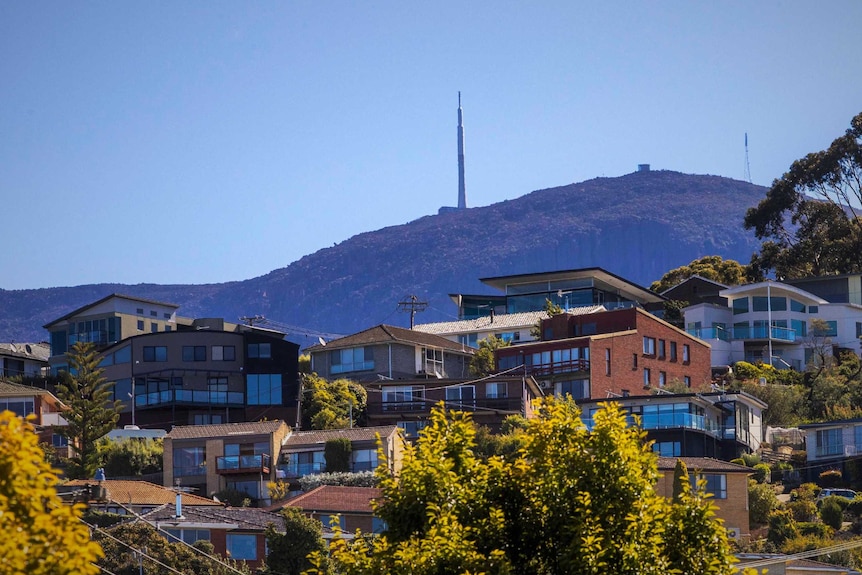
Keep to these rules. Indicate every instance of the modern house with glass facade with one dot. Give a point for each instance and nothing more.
(770, 322)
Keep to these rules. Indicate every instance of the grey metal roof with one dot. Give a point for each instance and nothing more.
(225, 429)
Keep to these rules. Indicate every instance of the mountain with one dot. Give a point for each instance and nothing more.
(637, 226)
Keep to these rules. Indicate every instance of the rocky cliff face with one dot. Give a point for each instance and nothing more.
(638, 226)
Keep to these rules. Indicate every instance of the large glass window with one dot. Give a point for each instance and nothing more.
(224, 353)
(649, 346)
(763, 303)
(155, 353)
(194, 353)
(496, 390)
(20, 406)
(189, 461)
(797, 306)
(716, 483)
(259, 350)
(59, 343)
(830, 442)
(263, 389)
(351, 359)
(433, 361)
(242, 546)
(217, 387)
(463, 395)
(831, 329)
(667, 448)
(404, 395)
(577, 388)
(740, 305)
(800, 327)
(188, 535)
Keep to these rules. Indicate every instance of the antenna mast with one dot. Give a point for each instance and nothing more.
(412, 304)
(747, 167)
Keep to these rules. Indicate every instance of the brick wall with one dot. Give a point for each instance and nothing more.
(733, 509)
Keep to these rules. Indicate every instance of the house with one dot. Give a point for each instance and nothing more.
(126, 497)
(235, 532)
(832, 445)
(169, 370)
(351, 507)
(237, 456)
(303, 452)
(777, 564)
(389, 352)
(770, 322)
(408, 403)
(24, 400)
(718, 424)
(23, 359)
(611, 353)
(727, 482)
(697, 289)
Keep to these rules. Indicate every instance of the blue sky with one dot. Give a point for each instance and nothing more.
(197, 142)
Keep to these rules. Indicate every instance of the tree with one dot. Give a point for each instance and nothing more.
(680, 478)
(809, 221)
(89, 410)
(571, 501)
(288, 551)
(41, 535)
(131, 457)
(337, 452)
(715, 268)
(329, 404)
(551, 309)
(482, 363)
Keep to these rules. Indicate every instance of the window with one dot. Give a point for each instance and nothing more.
(408, 396)
(223, 353)
(263, 389)
(829, 442)
(496, 390)
(813, 309)
(166, 315)
(154, 327)
(188, 535)
(662, 379)
(378, 525)
(194, 353)
(330, 520)
(22, 407)
(740, 305)
(463, 395)
(608, 361)
(470, 339)
(364, 460)
(649, 346)
(217, 387)
(716, 483)
(673, 351)
(797, 306)
(634, 361)
(208, 418)
(433, 361)
(667, 448)
(661, 349)
(351, 359)
(140, 325)
(155, 353)
(140, 311)
(578, 388)
(58, 440)
(686, 353)
(687, 380)
(154, 313)
(240, 546)
(763, 303)
(259, 350)
(411, 428)
(646, 377)
(189, 461)
(831, 329)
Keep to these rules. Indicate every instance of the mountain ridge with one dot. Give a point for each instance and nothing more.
(638, 226)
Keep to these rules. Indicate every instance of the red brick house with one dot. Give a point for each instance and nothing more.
(352, 505)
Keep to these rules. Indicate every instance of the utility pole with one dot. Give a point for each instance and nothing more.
(252, 319)
(412, 305)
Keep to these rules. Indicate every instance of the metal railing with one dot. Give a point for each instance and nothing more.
(243, 463)
(202, 397)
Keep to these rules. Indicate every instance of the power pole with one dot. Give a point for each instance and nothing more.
(252, 319)
(412, 305)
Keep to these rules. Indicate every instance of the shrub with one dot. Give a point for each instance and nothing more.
(805, 492)
(358, 479)
(781, 527)
(812, 529)
(803, 510)
(337, 454)
(745, 370)
(779, 468)
(830, 478)
(854, 508)
(750, 459)
(761, 501)
(799, 456)
(762, 473)
(831, 513)
(234, 497)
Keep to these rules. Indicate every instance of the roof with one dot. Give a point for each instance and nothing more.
(103, 300)
(601, 274)
(241, 518)
(498, 321)
(702, 464)
(314, 437)
(225, 429)
(383, 333)
(16, 389)
(335, 499)
(131, 492)
(34, 351)
(833, 423)
(762, 288)
(693, 278)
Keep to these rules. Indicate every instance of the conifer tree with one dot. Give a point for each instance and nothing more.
(90, 410)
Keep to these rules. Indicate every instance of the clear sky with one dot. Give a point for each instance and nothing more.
(197, 142)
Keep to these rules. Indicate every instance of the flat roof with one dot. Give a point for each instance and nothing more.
(641, 293)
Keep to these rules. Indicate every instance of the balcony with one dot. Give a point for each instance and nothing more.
(764, 333)
(544, 369)
(406, 406)
(53, 419)
(711, 333)
(231, 464)
(190, 397)
(293, 470)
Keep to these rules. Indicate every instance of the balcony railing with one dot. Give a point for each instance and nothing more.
(227, 464)
(502, 403)
(569, 366)
(189, 396)
(711, 333)
(303, 469)
(744, 332)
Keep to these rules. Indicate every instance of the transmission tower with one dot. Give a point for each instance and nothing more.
(412, 304)
(747, 167)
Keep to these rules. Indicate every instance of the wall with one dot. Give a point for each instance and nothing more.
(733, 510)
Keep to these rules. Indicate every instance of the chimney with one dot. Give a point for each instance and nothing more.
(179, 505)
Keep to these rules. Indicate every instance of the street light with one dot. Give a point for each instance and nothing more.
(132, 397)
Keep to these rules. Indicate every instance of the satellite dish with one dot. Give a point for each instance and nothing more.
(321, 340)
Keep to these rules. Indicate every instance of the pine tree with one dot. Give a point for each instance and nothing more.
(90, 411)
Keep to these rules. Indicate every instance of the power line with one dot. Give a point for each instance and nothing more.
(412, 305)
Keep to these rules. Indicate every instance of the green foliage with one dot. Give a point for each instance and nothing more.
(355, 479)
(41, 535)
(289, 551)
(337, 452)
(761, 502)
(483, 363)
(854, 508)
(805, 492)
(123, 559)
(680, 479)
(820, 194)
(831, 513)
(802, 510)
(830, 478)
(570, 501)
(551, 309)
(788, 404)
(304, 363)
(90, 412)
(673, 312)
(782, 526)
(715, 268)
(750, 459)
(503, 444)
(102, 519)
(762, 473)
(327, 405)
(233, 497)
(131, 457)
(813, 529)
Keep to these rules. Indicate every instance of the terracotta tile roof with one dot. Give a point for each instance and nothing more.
(130, 492)
(702, 464)
(388, 333)
(245, 518)
(336, 499)
(313, 437)
(501, 321)
(225, 429)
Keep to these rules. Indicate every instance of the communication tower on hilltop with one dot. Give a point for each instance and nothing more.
(462, 190)
(747, 167)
